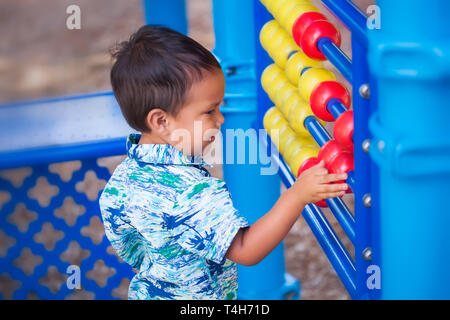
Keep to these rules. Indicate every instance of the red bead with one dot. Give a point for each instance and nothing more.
(321, 203)
(343, 163)
(323, 93)
(329, 151)
(308, 163)
(303, 22)
(343, 130)
(316, 30)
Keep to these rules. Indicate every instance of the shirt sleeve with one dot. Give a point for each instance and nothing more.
(125, 239)
(204, 220)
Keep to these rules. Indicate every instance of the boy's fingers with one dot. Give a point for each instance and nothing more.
(333, 187)
(332, 194)
(320, 171)
(320, 167)
(332, 177)
(321, 164)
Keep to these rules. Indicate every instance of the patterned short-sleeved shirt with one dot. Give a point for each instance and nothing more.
(167, 217)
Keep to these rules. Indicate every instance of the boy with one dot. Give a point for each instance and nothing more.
(163, 212)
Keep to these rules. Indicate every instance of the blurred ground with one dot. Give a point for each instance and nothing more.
(40, 57)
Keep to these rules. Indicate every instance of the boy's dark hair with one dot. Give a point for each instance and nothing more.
(155, 68)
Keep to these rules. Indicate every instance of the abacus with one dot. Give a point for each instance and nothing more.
(393, 67)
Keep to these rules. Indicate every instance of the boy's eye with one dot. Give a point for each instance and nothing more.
(211, 111)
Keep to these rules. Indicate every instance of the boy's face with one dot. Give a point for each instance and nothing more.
(195, 125)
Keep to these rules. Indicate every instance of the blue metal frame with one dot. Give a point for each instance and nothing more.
(363, 214)
(67, 135)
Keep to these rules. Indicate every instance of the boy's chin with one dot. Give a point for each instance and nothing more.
(207, 145)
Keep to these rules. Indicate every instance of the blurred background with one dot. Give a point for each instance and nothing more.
(40, 57)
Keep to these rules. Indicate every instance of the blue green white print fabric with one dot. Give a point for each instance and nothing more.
(171, 221)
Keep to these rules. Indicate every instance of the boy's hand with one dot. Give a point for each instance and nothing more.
(313, 184)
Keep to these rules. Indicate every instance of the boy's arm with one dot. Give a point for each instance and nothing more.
(252, 244)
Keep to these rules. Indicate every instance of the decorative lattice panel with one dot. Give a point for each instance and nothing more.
(51, 232)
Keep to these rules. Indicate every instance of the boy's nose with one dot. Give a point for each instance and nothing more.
(221, 119)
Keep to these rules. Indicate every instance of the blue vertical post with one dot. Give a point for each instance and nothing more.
(363, 212)
(170, 13)
(253, 194)
(410, 59)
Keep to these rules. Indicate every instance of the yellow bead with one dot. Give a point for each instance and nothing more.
(271, 117)
(285, 12)
(308, 141)
(285, 134)
(311, 78)
(274, 120)
(277, 42)
(295, 143)
(275, 5)
(276, 84)
(290, 103)
(281, 52)
(300, 155)
(271, 35)
(294, 13)
(282, 94)
(296, 63)
(269, 74)
(272, 82)
(292, 145)
(276, 128)
(268, 29)
(297, 116)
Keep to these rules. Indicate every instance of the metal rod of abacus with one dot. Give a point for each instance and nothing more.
(332, 246)
(351, 16)
(336, 107)
(317, 131)
(346, 220)
(337, 57)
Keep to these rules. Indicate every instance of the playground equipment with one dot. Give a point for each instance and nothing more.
(396, 155)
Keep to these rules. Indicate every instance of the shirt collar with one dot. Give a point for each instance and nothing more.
(160, 153)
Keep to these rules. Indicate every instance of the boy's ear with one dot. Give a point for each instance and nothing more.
(157, 121)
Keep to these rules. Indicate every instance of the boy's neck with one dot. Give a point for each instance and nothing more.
(149, 138)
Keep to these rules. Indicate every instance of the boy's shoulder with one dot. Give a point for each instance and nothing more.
(169, 180)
